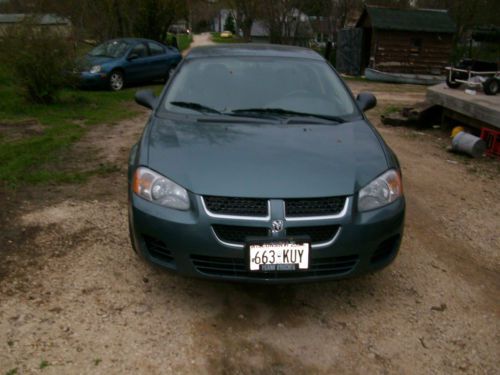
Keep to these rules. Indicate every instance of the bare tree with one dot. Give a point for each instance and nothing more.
(106, 19)
(246, 13)
(467, 13)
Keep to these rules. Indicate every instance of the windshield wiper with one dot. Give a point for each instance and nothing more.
(196, 106)
(287, 112)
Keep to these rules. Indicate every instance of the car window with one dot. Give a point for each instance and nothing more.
(228, 84)
(113, 48)
(155, 49)
(140, 50)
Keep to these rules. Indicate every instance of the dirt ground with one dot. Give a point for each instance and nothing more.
(74, 299)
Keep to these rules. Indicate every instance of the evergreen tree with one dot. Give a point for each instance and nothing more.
(229, 25)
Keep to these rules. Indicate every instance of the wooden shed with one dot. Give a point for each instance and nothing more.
(408, 41)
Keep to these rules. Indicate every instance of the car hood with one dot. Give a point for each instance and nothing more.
(89, 61)
(266, 160)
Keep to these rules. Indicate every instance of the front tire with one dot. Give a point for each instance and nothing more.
(491, 86)
(116, 80)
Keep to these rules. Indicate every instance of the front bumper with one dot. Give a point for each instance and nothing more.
(185, 242)
(93, 80)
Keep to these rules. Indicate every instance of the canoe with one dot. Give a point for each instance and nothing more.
(417, 79)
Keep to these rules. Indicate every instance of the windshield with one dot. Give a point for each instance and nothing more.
(259, 85)
(114, 48)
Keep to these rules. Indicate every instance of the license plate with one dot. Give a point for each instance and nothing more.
(279, 256)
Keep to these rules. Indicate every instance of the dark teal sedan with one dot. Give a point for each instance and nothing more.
(118, 62)
(257, 164)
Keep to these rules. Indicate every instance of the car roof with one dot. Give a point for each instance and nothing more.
(132, 40)
(251, 49)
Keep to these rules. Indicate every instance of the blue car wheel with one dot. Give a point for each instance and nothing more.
(116, 80)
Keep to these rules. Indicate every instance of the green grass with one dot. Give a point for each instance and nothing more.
(234, 39)
(28, 160)
(183, 40)
(390, 109)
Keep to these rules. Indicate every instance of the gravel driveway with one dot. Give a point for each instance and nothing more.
(74, 299)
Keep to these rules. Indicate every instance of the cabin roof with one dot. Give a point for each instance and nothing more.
(420, 20)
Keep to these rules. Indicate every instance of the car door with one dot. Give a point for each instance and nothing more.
(138, 64)
(159, 59)
(173, 56)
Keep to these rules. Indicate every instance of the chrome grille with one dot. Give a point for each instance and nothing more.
(238, 234)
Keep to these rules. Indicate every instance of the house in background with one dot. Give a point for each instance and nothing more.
(296, 26)
(389, 41)
(322, 28)
(53, 22)
(296, 29)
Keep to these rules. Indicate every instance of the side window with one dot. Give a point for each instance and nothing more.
(140, 50)
(155, 49)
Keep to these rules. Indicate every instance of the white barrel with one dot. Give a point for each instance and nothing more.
(468, 144)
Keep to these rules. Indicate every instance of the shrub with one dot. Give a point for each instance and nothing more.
(229, 25)
(41, 60)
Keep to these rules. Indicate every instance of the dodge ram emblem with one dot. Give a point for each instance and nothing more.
(277, 226)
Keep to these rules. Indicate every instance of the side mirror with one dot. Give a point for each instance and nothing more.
(146, 98)
(132, 56)
(366, 101)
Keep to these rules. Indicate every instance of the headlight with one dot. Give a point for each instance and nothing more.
(158, 189)
(95, 69)
(381, 191)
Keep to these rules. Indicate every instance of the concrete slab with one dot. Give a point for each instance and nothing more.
(479, 108)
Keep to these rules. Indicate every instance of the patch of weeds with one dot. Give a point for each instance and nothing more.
(44, 364)
(69, 177)
(43, 176)
(12, 372)
(184, 41)
(390, 109)
(97, 361)
(107, 169)
(27, 160)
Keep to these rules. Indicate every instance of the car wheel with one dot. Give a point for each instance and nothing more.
(452, 84)
(116, 80)
(490, 86)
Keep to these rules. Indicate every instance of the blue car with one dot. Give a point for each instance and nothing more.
(118, 62)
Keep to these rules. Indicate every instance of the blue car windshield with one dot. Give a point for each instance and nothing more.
(259, 84)
(113, 48)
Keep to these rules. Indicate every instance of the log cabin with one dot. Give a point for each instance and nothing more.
(399, 41)
(415, 41)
